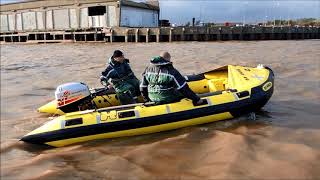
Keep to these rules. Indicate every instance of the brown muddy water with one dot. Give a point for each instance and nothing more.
(282, 143)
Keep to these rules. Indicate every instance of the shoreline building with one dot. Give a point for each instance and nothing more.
(76, 15)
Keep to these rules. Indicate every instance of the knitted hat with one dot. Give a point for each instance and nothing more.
(117, 53)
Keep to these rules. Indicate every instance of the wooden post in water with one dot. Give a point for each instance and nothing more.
(253, 33)
(147, 35)
(45, 37)
(272, 34)
(111, 36)
(95, 36)
(230, 34)
(302, 35)
(158, 35)
(241, 34)
(219, 34)
(207, 35)
(182, 34)
(137, 35)
(195, 35)
(170, 35)
(74, 37)
(126, 36)
(263, 34)
(289, 35)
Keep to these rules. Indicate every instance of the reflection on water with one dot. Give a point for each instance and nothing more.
(282, 143)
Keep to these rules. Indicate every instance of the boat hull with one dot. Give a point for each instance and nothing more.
(233, 104)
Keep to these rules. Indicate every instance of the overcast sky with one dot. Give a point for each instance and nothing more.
(182, 11)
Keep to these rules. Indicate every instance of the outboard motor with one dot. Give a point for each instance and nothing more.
(73, 97)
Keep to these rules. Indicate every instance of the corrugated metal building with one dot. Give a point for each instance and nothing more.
(52, 15)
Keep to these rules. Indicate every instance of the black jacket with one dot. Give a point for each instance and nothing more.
(117, 72)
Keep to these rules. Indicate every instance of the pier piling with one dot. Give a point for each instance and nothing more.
(165, 34)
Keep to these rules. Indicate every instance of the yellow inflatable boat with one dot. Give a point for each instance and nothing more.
(228, 92)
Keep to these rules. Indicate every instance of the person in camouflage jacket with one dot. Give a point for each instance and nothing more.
(162, 83)
(122, 78)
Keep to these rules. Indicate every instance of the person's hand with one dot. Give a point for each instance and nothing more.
(103, 81)
(103, 78)
(110, 86)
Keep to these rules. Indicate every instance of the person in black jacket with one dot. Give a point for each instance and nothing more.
(162, 83)
(123, 80)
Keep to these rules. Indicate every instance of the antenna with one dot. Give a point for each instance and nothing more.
(200, 12)
(244, 12)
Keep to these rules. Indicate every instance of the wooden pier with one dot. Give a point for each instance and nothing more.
(163, 34)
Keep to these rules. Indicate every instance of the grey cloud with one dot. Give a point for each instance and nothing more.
(251, 11)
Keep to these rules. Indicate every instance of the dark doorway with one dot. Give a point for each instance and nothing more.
(97, 10)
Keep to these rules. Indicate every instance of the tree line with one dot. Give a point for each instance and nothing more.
(277, 22)
(299, 22)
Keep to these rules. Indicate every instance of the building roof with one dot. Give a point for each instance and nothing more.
(139, 5)
(33, 4)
